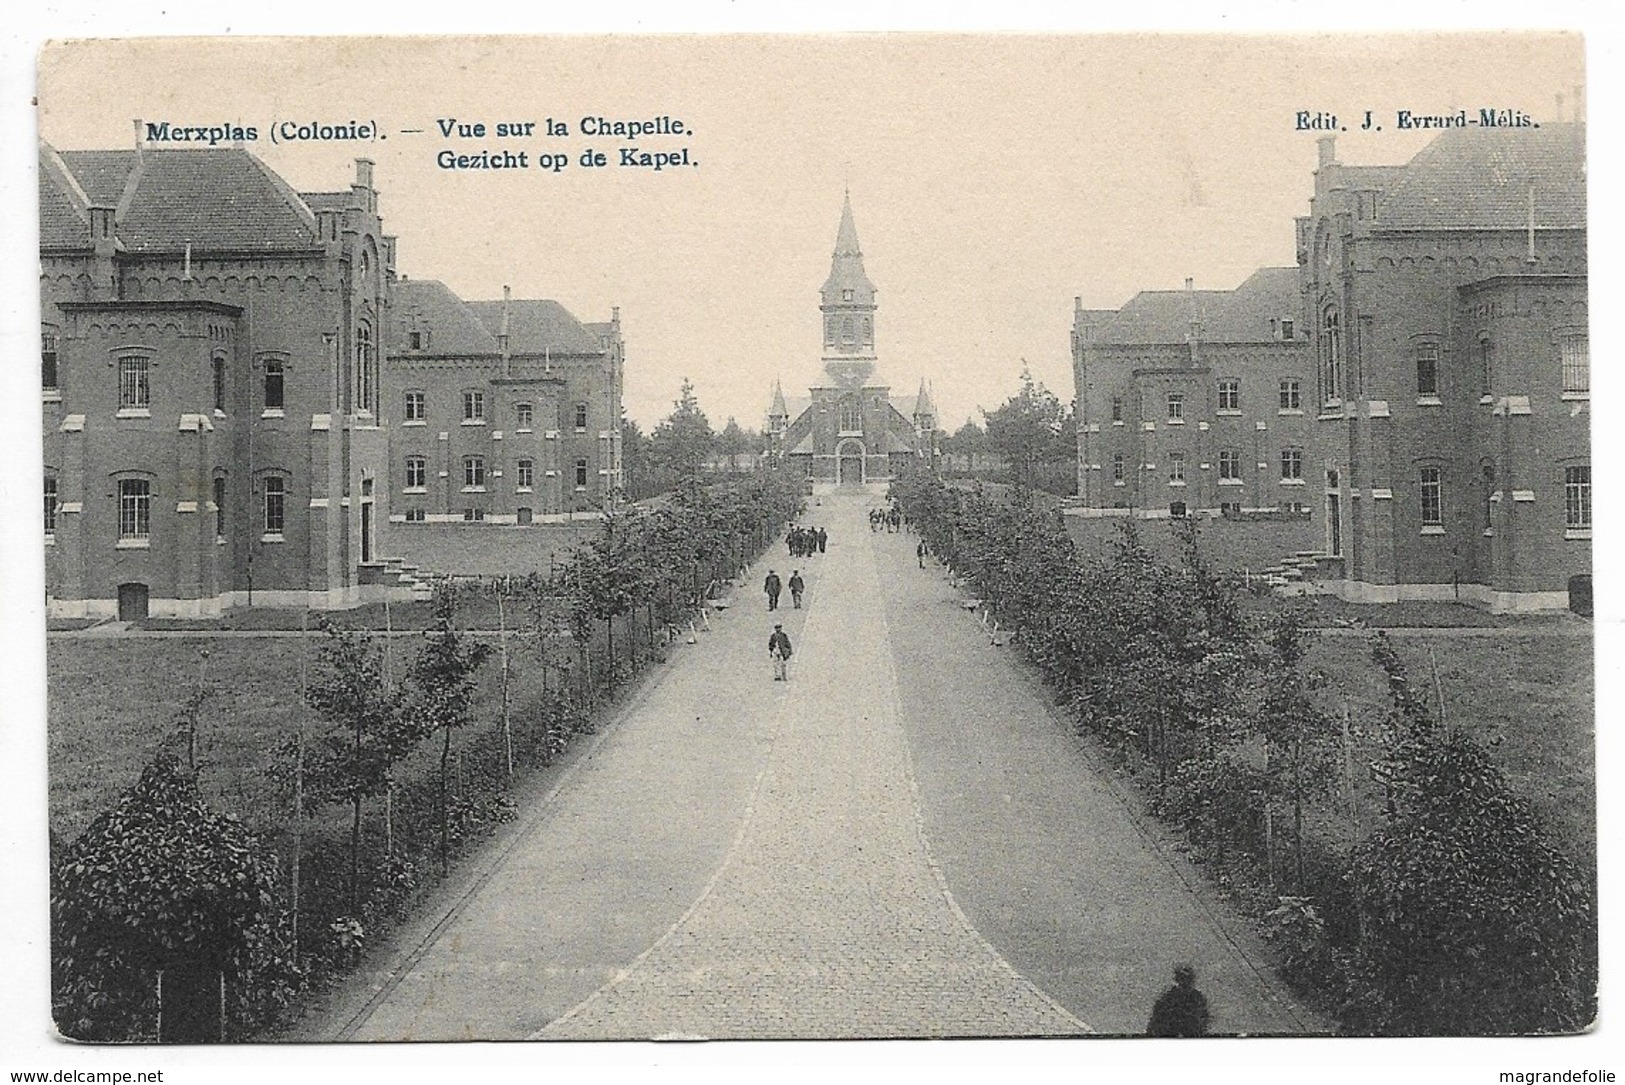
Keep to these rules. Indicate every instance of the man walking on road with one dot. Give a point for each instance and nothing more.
(797, 586)
(778, 647)
(772, 586)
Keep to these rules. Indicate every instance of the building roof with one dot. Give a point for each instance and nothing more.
(453, 327)
(327, 201)
(846, 268)
(1247, 314)
(219, 198)
(778, 409)
(538, 326)
(1480, 178)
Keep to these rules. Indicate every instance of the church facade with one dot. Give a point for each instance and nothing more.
(850, 431)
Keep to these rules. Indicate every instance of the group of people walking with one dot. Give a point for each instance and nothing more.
(888, 519)
(803, 542)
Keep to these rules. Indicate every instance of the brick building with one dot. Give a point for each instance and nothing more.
(221, 424)
(210, 370)
(1447, 306)
(503, 412)
(1192, 403)
(850, 430)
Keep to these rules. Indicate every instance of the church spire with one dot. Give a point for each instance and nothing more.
(846, 238)
(848, 288)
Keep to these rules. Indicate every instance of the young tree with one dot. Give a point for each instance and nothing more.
(636, 465)
(442, 679)
(366, 736)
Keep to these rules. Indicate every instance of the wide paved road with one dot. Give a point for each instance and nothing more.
(900, 841)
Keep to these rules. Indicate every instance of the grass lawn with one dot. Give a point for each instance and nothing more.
(1528, 698)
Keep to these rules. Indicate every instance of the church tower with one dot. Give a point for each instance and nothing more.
(848, 305)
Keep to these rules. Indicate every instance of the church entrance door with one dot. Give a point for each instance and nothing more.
(849, 458)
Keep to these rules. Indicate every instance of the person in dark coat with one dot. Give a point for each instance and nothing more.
(797, 586)
(772, 585)
(778, 648)
(823, 537)
(1181, 1010)
(919, 552)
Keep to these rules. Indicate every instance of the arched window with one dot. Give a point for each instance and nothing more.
(364, 361)
(1331, 358)
(851, 418)
(48, 341)
(1486, 366)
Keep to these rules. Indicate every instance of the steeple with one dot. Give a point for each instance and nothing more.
(923, 407)
(848, 297)
(777, 409)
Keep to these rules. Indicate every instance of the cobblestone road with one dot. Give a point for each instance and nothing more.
(743, 858)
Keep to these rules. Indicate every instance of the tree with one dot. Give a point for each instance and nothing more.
(737, 444)
(1029, 430)
(442, 678)
(637, 468)
(965, 446)
(367, 734)
(164, 917)
(682, 441)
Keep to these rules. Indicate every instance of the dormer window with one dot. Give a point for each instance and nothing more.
(846, 295)
(417, 339)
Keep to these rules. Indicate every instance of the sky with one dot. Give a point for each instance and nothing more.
(993, 178)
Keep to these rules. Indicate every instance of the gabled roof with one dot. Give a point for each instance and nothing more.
(327, 201)
(538, 326)
(64, 220)
(777, 408)
(1480, 178)
(1243, 315)
(453, 327)
(219, 199)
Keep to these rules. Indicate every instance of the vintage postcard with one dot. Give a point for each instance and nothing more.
(817, 537)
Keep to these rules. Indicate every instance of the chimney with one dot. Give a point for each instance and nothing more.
(1195, 332)
(363, 172)
(502, 339)
(138, 139)
(1328, 150)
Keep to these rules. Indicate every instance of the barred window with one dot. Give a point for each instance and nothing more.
(1292, 463)
(276, 504)
(1576, 353)
(1432, 497)
(1427, 369)
(134, 508)
(1577, 495)
(134, 389)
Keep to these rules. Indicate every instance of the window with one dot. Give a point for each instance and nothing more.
(1230, 508)
(846, 295)
(581, 474)
(134, 391)
(1177, 509)
(417, 339)
(526, 471)
(1176, 468)
(1432, 497)
(50, 505)
(474, 472)
(1230, 395)
(1427, 369)
(1291, 396)
(1331, 358)
(474, 516)
(134, 508)
(417, 473)
(219, 506)
(1117, 467)
(473, 406)
(1287, 329)
(581, 416)
(363, 367)
(523, 416)
(276, 504)
(1117, 408)
(220, 384)
(416, 516)
(1486, 367)
(851, 420)
(1486, 504)
(1291, 463)
(868, 332)
(416, 408)
(1577, 496)
(1576, 352)
(47, 359)
(1176, 406)
(829, 331)
(273, 384)
(1229, 466)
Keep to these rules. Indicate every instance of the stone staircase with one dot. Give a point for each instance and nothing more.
(403, 581)
(1300, 573)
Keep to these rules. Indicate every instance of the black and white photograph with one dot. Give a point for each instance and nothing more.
(1052, 543)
